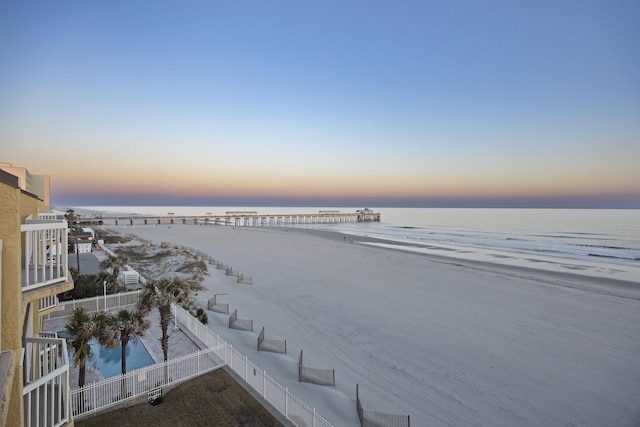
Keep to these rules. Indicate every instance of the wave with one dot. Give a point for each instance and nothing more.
(622, 248)
(569, 236)
(614, 257)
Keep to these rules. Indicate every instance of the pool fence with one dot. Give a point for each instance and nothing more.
(100, 395)
(108, 302)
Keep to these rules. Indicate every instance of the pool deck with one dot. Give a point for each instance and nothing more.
(180, 344)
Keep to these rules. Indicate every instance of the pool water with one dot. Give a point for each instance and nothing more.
(108, 362)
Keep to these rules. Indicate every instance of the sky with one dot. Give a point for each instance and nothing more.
(320, 103)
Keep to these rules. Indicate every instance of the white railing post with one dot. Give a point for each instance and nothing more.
(246, 368)
(264, 384)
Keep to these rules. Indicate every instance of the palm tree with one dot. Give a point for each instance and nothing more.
(128, 327)
(114, 263)
(70, 216)
(82, 328)
(162, 294)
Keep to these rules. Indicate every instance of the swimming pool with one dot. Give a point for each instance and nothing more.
(108, 362)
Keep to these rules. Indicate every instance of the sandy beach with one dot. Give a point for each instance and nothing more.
(446, 341)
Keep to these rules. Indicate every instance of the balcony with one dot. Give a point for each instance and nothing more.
(47, 303)
(46, 392)
(45, 260)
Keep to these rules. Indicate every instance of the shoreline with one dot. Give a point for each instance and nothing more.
(441, 339)
(508, 264)
(548, 276)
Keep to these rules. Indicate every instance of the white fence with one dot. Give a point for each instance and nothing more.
(101, 395)
(109, 302)
(286, 403)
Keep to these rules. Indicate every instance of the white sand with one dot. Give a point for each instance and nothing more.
(447, 343)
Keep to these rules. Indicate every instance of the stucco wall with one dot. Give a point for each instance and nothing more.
(11, 292)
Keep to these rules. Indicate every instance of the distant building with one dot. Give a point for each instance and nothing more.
(81, 241)
(34, 184)
(90, 230)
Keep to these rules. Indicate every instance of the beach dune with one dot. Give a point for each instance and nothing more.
(447, 342)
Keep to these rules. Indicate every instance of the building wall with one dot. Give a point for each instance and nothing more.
(15, 206)
(40, 185)
(24, 177)
(10, 212)
(11, 290)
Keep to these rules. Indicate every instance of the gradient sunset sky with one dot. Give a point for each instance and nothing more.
(320, 103)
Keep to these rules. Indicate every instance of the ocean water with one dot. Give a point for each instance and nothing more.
(600, 242)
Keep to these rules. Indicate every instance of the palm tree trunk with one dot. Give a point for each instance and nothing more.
(81, 378)
(82, 374)
(114, 281)
(123, 343)
(124, 355)
(165, 320)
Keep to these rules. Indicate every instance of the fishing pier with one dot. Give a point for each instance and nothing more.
(233, 218)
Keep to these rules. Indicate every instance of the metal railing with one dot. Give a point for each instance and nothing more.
(46, 391)
(44, 256)
(47, 215)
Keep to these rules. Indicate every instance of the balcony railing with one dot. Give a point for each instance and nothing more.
(44, 257)
(46, 376)
(47, 303)
(47, 215)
